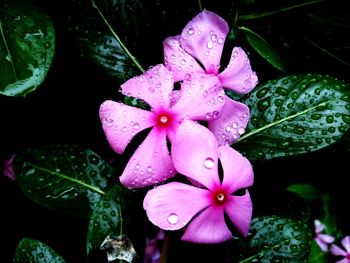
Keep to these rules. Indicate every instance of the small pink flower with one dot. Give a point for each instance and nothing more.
(152, 249)
(202, 207)
(8, 168)
(203, 40)
(322, 240)
(337, 251)
(151, 162)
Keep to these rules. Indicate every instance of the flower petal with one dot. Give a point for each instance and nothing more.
(202, 97)
(208, 227)
(238, 172)
(171, 206)
(153, 86)
(240, 209)
(203, 37)
(177, 60)
(239, 76)
(231, 123)
(319, 227)
(344, 260)
(323, 246)
(346, 243)
(337, 251)
(195, 153)
(151, 162)
(121, 123)
(326, 238)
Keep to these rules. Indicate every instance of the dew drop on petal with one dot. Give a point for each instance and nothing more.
(240, 131)
(208, 163)
(220, 99)
(149, 169)
(190, 30)
(210, 44)
(136, 125)
(173, 219)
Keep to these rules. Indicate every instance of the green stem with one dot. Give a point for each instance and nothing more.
(93, 188)
(328, 53)
(251, 17)
(200, 5)
(8, 51)
(137, 64)
(279, 121)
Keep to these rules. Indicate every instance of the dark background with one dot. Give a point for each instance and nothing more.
(64, 109)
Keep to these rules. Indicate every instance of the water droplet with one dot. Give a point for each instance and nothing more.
(209, 163)
(210, 44)
(220, 99)
(136, 125)
(220, 40)
(149, 169)
(173, 219)
(240, 131)
(190, 30)
(108, 122)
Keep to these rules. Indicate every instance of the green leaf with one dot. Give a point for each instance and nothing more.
(316, 254)
(30, 250)
(306, 191)
(295, 114)
(27, 46)
(64, 177)
(276, 239)
(263, 48)
(106, 218)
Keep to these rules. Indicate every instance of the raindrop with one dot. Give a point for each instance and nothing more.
(210, 44)
(173, 219)
(109, 122)
(240, 131)
(149, 169)
(220, 40)
(220, 99)
(190, 30)
(208, 163)
(136, 125)
(208, 115)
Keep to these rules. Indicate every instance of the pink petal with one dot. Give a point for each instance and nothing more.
(195, 153)
(240, 209)
(204, 37)
(326, 238)
(344, 260)
(202, 97)
(323, 246)
(153, 86)
(8, 168)
(122, 122)
(208, 227)
(238, 172)
(151, 162)
(171, 206)
(231, 123)
(238, 76)
(337, 251)
(319, 227)
(177, 60)
(346, 243)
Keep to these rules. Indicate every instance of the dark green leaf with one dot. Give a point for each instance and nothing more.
(264, 48)
(27, 46)
(306, 191)
(106, 218)
(30, 250)
(316, 254)
(63, 177)
(276, 239)
(295, 114)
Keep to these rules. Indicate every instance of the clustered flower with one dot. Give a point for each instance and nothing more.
(190, 132)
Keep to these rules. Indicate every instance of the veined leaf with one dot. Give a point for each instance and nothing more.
(264, 48)
(30, 250)
(106, 218)
(295, 114)
(63, 177)
(27, 46)
(276, 239)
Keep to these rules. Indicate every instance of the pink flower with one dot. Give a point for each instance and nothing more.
(337, 251)
(322, 240)
(203, 39)
(151, 163)
(8, 168)
(172, 206)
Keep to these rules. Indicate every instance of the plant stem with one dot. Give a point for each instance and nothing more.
(134, 60)
(251, 17)
(200, 5)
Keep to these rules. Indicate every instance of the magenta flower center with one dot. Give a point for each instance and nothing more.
(164, 119)
(219, 197)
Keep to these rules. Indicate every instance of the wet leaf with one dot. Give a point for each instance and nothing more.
(30, 250)
(27, 46)
(306, 191)
(65, 177)
(276, 239)
(295, 114)
(106, 218)
(119, 247)
(264, 49)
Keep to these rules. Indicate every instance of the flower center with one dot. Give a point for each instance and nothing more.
(220, 197)
(164, 119)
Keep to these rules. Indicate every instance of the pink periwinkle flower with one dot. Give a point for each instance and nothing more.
(201, 208)
(322, 240)
(203, 40)
(8, 168)
(345, 253)
(151, 163)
